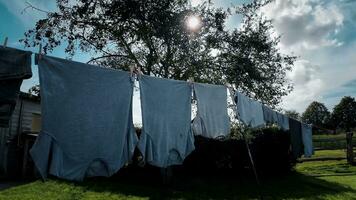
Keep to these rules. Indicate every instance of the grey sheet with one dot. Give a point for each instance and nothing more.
(212, 119)
(249, 111)
(274, 117)
(15, 65)
(87, 127)
(269, 115)
(166, 137)
(296, 138)
(283, 121)
(307, 133)
(9, 92)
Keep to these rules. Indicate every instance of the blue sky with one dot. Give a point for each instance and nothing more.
(322, 33)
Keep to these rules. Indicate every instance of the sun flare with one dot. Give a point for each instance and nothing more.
(193, 22)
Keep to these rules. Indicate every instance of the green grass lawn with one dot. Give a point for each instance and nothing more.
(330, 153)
(330, 136)
(311, 180)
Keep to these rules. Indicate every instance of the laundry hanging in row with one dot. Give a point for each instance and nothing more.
(301, 139)
(249, 111)
(256, 115)
(87, 119)
(166, 137)
(283, 121)
(307, 134)
(212, 120)
(296, 137)
(272, 117)
(15, 65)
(87, 127)
(269, 115)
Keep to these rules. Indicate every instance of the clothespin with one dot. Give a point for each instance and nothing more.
(40, 51)
(191, 80)
(139, 72)
(135, 70)
(39, 55)
(5, 42)
(132, 69)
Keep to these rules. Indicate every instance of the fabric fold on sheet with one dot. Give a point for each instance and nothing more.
(212, 119)
(249, 111)
(40, 153)
(296, 138)
(87, 127)
(307, 133)
(166, 138)
(15, 65)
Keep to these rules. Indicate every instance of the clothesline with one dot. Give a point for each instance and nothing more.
(136, 70)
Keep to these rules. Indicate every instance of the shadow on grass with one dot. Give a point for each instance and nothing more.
(293, 186)
(334, 169)
(6, 184)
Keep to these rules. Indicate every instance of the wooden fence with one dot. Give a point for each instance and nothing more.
(329, 143)
(350, 148)
(347, 143)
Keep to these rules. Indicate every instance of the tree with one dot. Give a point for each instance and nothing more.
(292, 114)
(316, 114)
(153, 35)
(344, 113)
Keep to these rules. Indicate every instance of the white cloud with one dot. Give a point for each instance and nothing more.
(311, 29)
(308, 86)
(305, 24)
(321, 78)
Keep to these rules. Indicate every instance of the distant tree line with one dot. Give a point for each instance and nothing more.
(343, 115)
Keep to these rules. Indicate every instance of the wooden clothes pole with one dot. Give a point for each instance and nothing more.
(252, 162)
(253, 166)
(251, 159)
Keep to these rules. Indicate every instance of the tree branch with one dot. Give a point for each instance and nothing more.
(105, 56)
(131, 54)
(30, 6)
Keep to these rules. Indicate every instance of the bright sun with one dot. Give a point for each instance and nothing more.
(193, 23)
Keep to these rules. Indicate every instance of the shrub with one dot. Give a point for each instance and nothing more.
(270, 150)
